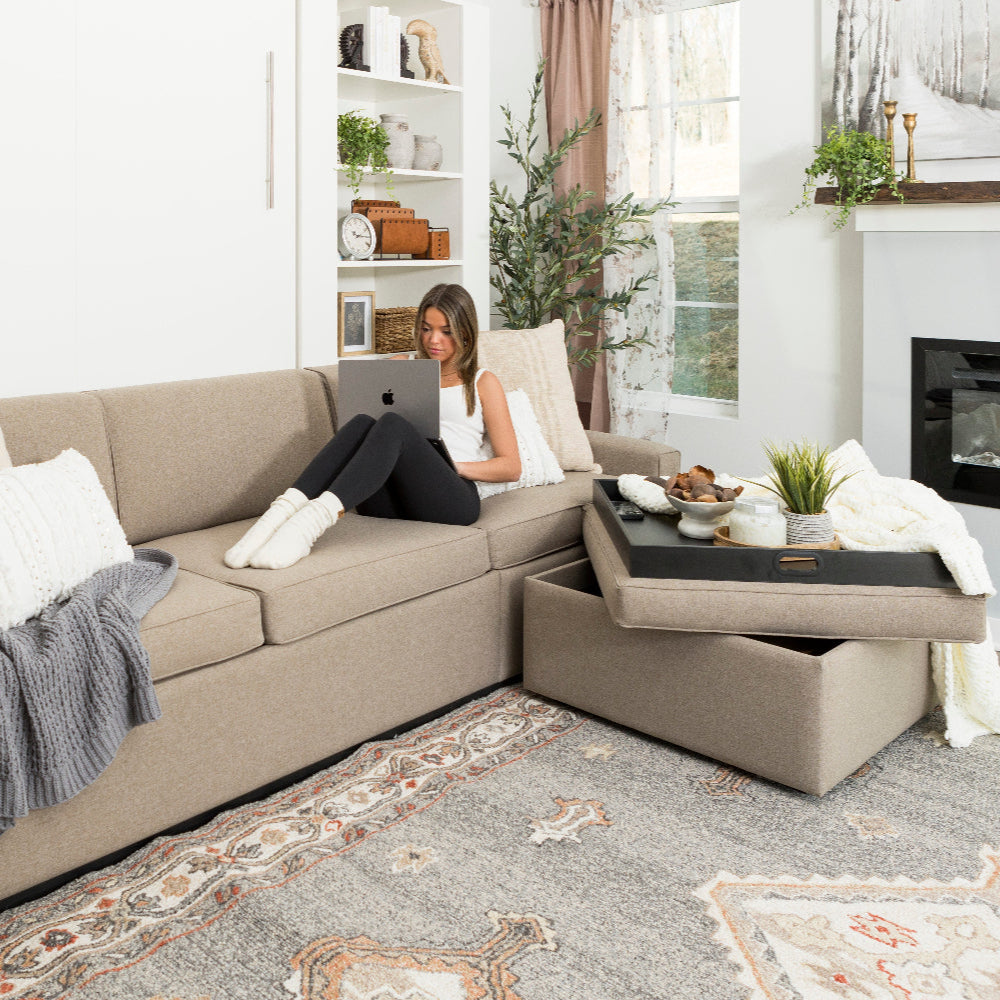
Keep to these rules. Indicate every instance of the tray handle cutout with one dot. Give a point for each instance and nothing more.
(800, 562)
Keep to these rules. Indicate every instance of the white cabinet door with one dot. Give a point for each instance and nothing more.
(182, 268)
(37, 309)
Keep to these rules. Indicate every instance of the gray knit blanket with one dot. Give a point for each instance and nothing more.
(73, 681)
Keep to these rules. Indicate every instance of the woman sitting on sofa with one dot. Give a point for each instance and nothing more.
(384, 467)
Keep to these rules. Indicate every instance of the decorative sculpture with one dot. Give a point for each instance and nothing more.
(352, 40)
(430, 54)
(404, 58)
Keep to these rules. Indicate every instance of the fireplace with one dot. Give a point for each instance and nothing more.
(955, 419)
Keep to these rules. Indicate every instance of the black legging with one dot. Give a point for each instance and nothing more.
(386, 468)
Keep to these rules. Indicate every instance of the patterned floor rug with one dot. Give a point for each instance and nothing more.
(517, 850)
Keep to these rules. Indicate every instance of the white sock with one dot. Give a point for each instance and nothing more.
(264, 527)
(298, 534)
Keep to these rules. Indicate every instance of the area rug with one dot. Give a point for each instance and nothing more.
(518, 850)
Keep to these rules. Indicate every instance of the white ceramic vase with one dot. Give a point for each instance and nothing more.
(401, 143)
(427, 153)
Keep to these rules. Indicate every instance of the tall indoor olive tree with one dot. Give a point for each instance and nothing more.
(547, 249)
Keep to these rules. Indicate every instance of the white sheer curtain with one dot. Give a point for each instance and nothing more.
(640, 141)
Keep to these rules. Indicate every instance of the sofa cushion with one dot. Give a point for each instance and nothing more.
(535, 361)
(37, 428)
(57, 529)
(200, 621)
(193, 454)
(360, 565)
(527, 523)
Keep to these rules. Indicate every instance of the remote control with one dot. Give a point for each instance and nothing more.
(627, 510)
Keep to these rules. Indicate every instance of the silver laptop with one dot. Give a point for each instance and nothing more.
(411, 388)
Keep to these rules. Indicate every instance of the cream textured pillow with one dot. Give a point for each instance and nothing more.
(57, 528)
(5, 462)
(539, 466)
(535, 361)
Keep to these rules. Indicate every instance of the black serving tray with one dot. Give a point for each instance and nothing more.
(653, 547)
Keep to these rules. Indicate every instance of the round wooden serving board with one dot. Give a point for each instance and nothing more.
(722, 538)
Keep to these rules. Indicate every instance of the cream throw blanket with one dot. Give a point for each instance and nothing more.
(884, 513)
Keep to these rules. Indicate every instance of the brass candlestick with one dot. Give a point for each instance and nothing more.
(890, 113)
(910, 123)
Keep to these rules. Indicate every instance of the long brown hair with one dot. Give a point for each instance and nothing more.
(459, 310)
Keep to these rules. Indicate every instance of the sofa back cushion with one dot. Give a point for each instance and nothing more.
(202, 452)
(38, 428)
(535, 361)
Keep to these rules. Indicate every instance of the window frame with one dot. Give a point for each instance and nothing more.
(701, 204)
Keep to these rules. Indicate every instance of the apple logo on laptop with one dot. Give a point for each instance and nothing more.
(387, 399)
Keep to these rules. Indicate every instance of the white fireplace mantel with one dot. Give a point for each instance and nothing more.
(935, 218)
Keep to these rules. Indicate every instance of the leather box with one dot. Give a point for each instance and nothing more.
(379, 214)
(401, 236)
(362, 205)
(439, 247)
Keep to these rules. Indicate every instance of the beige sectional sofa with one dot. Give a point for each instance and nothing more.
(261, 674)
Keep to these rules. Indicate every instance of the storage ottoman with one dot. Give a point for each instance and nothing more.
(802, 712)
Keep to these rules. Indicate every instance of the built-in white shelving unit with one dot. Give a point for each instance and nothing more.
(456, 197)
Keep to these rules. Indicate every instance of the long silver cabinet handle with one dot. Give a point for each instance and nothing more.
(269, 129)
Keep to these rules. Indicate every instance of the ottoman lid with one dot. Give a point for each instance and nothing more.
(835, 611)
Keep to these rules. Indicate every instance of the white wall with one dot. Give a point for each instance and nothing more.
(515, 47)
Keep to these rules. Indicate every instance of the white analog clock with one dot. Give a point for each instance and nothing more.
(357, 237)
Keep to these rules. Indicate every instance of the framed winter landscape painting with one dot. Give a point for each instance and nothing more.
(938, 58)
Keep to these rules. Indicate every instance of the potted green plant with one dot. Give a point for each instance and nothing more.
(859, 165)
(803, 475)
(547, 249)
(361, 143)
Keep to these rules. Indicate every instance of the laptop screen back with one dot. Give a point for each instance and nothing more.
(410, 388)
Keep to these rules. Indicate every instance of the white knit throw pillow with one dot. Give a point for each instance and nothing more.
(539, 465)
(57, 528)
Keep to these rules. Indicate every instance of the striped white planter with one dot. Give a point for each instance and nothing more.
(809, 529)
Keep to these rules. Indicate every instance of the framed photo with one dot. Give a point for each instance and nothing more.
(356, 323)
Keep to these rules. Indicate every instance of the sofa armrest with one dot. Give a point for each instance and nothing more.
(617, 455)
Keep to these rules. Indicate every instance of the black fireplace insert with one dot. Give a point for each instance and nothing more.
(955, 419)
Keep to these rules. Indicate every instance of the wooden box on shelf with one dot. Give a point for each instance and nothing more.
(438, 247)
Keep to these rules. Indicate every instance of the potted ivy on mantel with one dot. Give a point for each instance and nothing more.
(361, 145)
(859, 164)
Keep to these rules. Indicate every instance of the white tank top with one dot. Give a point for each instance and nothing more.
(464, 436)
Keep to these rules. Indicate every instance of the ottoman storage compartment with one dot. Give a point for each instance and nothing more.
(802, 712)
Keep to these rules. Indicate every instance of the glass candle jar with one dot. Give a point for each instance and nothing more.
(757, 521)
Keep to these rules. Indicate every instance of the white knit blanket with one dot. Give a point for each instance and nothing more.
(875, 512)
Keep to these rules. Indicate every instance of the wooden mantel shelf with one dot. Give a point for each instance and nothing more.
(929, 193)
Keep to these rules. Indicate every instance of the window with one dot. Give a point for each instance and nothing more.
(687, 93)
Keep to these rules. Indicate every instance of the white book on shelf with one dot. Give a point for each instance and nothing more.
(374, 33)
(393, 27)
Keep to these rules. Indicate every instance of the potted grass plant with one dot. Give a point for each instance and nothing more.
(361, 144)
(804, 476)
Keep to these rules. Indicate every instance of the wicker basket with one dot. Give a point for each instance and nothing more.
(394, 329)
